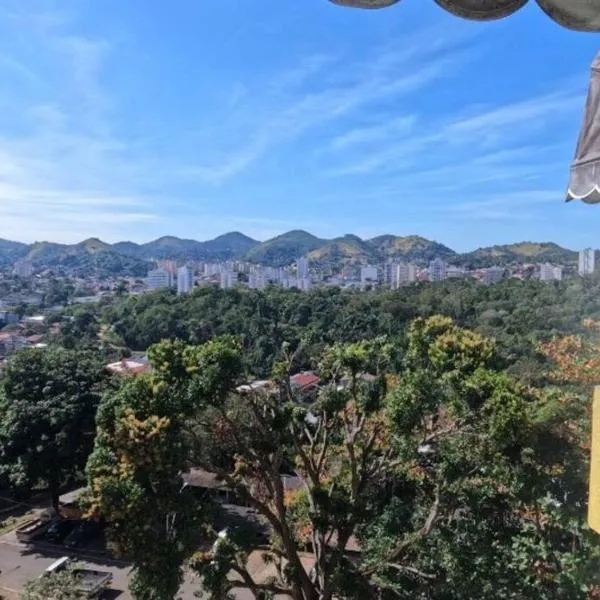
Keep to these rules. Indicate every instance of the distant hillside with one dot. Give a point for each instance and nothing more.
(224, 247)
(524, 252)
(86, 258)
(230, 245)
(128, 258)
(284, 249)
(411, 248)
(11, 251)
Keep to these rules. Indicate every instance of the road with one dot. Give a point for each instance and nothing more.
(20, 563)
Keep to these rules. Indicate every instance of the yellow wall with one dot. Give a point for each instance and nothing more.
(594, 494)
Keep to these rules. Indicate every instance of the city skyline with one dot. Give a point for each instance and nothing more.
(125, 121)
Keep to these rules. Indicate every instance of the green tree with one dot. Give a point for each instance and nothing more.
(48, 400)
(62, 585)
(135, 476)
(453, 479)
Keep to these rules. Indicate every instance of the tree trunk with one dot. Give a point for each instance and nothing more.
(55, 497)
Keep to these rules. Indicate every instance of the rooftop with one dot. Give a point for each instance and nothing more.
(304, 380)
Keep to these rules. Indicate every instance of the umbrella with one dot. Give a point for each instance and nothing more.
(581, 15)
(585, 170)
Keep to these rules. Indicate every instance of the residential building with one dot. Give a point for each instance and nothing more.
(558, 273)
(256, 281)
(406, 273)
(228, 279)
(211, 269)
(453, 272)
(437, 270)
(185, 279)
(549, 272)
(11, 342)
(369, 276)
(587, 262)
(493, 275)
(158, 278)
(302, 268)
(305, 385)
(23, 268)
(305, 284)
(390, 275)
(129, 366)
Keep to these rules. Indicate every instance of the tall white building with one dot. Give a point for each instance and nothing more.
(587, 262)
(158, 278)
(369, 276)
(549, 272)
(453, 272)
(228, 279)
(211, 269)
(437, 270)
(406, 273)
(185, 279)
(257, 281)
(23, 268)
(390, 275)
(305, 284)
(302, 268)
(493, 275)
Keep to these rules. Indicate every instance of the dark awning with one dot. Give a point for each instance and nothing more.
(585, 170)
(580, 15)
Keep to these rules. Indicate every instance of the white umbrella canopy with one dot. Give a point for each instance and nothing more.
(580, 15)
(585, 171)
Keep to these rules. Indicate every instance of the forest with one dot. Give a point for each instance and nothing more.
(444, 455)
(517, 314)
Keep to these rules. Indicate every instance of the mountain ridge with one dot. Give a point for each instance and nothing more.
(281, 250)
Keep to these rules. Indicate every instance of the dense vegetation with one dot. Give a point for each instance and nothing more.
(127, 258)
(518, 314)
(444, 457)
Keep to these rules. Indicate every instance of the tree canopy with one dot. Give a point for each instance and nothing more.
(423, 472)
(48, 402)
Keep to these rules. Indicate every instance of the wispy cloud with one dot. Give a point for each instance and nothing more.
(342, 90)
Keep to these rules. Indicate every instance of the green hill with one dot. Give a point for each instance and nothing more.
(12, 251)
(411, 248)
(94, 255)
(349, 249)
(284, 249)
(524, 252)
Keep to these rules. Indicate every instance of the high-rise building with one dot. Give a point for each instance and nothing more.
(256, 281)
(158, 278)
(23, 268)
(185, 279)
(211, 269)
(587, 262)
(549, 272)
(390, 275)
(369, 276)
(493, 275)
(302, 268)
(228, 279)
(453, 272)
(304, 284)
(437, 270)
(406, 273)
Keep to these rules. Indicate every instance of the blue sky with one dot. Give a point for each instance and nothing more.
(132, 120)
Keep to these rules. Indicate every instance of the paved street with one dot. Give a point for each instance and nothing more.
(20, 563)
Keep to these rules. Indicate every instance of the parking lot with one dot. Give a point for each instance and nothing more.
(20, 563)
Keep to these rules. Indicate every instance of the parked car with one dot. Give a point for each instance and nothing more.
(82, 534)
(90, 582)
(32, 529)
(58, 530)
